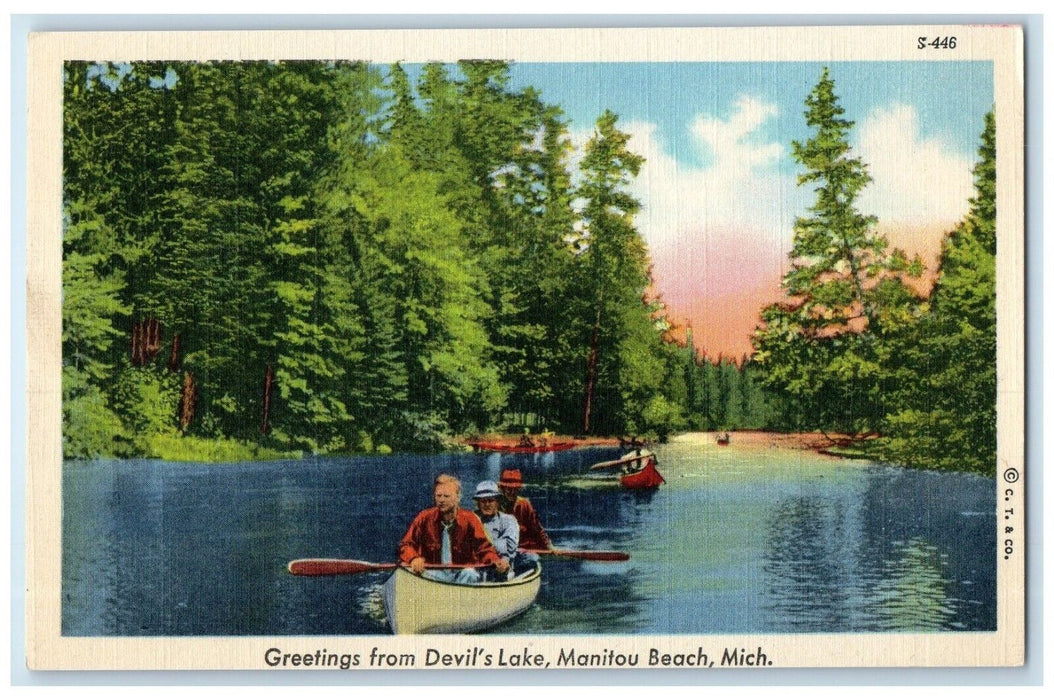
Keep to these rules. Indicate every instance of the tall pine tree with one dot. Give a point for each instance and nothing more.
(943, 378)
(818, 349)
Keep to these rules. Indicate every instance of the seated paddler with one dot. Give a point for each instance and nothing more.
(502, 528)
(532, 534)
(449, 534)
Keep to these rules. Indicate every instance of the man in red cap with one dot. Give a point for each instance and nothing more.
(447, 534)
(532, 534)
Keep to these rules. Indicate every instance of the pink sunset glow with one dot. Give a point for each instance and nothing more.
(718, 283)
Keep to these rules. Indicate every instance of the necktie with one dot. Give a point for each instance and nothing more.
(446, 557)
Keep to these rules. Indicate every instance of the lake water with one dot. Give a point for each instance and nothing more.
(741, 539)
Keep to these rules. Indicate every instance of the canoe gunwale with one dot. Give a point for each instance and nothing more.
(473, 607)
(482, 584)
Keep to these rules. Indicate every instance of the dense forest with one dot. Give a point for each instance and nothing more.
(332, 257)
(856, 348)
(275, 257)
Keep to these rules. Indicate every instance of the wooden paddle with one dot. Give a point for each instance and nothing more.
(337, 567)
(619, 461)
(596, 555)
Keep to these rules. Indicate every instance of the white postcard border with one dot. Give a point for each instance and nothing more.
(47, 649)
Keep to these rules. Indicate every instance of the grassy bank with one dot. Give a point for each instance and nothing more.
(175, 448)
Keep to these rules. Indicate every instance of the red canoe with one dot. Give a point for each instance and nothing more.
(505, 447)
(647, 478)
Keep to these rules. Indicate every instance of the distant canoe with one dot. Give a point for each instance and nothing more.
(625, 460)
(638, 470)
(417, 605)
(646, 478)
(506, 447)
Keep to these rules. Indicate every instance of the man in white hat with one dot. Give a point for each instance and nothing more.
(502, 528)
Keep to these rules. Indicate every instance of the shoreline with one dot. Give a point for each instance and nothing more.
(809, 441)
(828, 445)
(205, 452)
(510, 440)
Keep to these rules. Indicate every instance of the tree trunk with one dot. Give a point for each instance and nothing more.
(591, 374)
(153, 339)
(173, 355)
(137, 347)
(265, 427)
(188, 398)
(146, 341)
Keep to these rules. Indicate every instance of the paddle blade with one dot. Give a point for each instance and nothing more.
(334, 567)
(599, 555)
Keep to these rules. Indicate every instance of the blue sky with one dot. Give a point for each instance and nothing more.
(718, 188)
(951, 98)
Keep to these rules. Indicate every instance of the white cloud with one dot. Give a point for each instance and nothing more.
(741, 199)
(728, 140)
(740, 192)
(917, 181)
(724, 225)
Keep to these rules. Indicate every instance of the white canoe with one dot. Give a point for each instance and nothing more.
(417, 605)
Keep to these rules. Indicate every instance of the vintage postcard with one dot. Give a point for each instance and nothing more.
(562, 349)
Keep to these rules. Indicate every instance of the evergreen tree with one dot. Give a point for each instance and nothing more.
(115, 116)
(819, 348)
(313, 333)
(533, 329)
(91, 306)
(625, 365)
(692, 383)
(943, 377)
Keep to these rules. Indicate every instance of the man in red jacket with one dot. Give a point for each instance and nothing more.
(532, 534)
(447, 534)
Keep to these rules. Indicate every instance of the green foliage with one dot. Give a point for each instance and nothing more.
(194, 449)
(822, 351)
(661, 416)
(943, 368)
(90, 428)
(332, 258)
(147, 401)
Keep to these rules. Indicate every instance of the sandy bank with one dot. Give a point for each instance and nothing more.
(816, 442)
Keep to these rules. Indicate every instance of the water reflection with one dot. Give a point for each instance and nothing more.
(912, 594)
(883, 559)
(926, 522)
(589, 598)
(804, 567)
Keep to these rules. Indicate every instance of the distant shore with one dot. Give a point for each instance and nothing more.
(540, 440)
(203, 450)
(831, 444)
